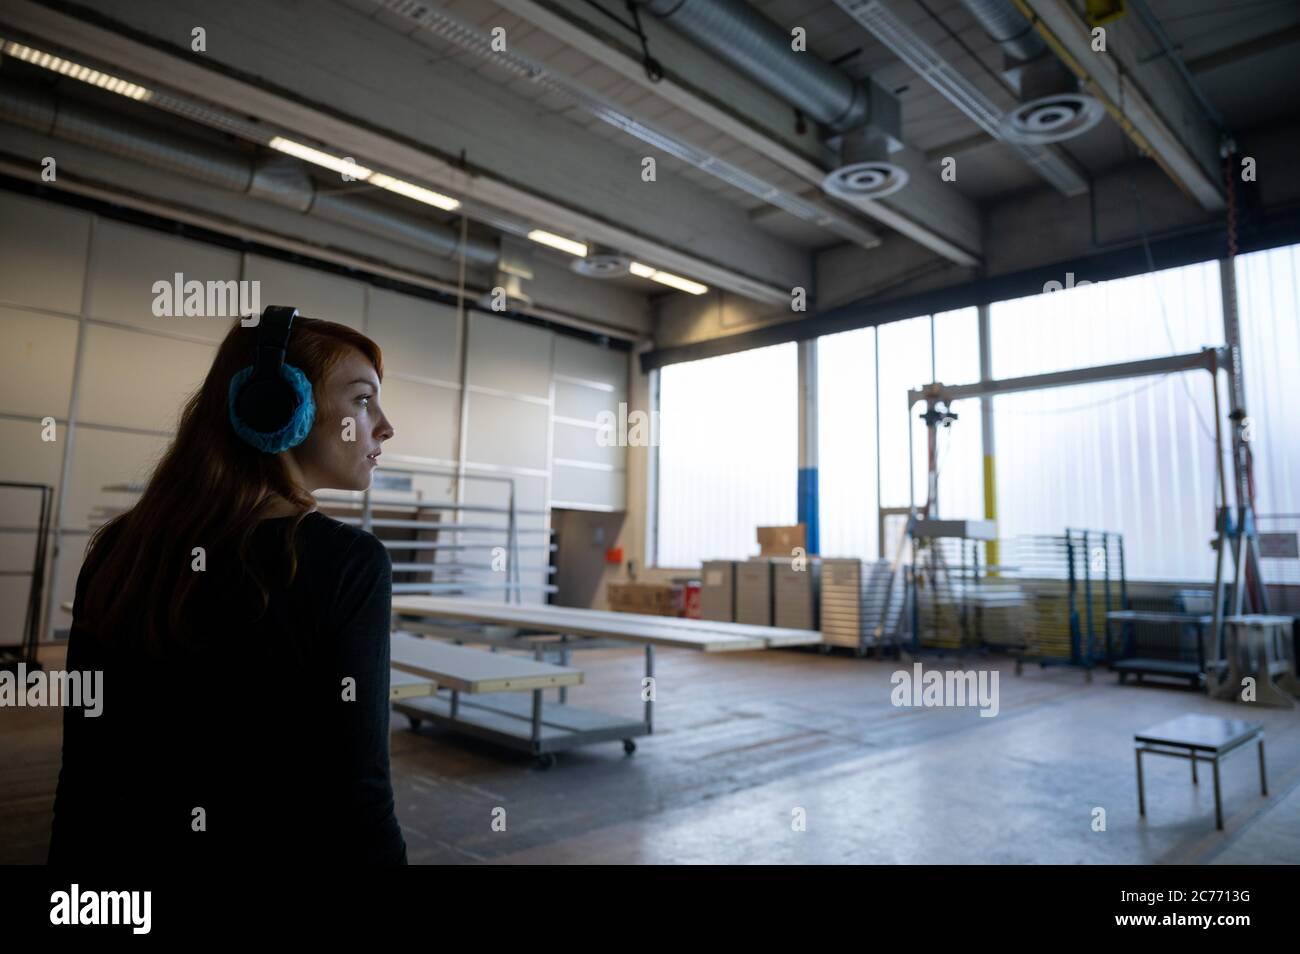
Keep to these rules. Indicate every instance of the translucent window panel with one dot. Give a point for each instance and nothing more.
(957, 346)
(507, 432)
(728, 454)
(18, 547)
(36, 363)
(961, 444)
(576, 487)
(583, 403)
(905, 363)
(509, 356)
(418, 337)
(1125, 319)
(1136, 456)
(573, 442)
(314, 292)
(134, 379)
(1268, 297)
(42, 253)
(127, 261)
(103, 457)
(1130, 456)
(424, 418)
(846, 431)
(27, 459)
(589, 362)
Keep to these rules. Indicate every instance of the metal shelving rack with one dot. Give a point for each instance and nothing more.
(452, 576)
(24, 652)
(956, 601)
(861, 604)
(1072, 580)
(449, 577)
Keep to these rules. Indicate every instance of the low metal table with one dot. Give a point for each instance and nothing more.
(1199, 738)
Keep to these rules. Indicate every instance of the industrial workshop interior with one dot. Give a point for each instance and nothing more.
(668, 432)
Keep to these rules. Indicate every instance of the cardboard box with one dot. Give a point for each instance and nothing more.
(655, 599)
(781, 541)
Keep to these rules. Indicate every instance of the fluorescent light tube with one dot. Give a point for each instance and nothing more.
(559, 241)
(316, 157)
(57, 64)
(412, 191)
(667, 278)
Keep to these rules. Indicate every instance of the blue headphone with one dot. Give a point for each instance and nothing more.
(271, 405)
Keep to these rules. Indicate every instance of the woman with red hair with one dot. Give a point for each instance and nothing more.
(242, 635)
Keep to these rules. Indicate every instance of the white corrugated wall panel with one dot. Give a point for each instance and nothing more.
(1134, 456)
(728, 455)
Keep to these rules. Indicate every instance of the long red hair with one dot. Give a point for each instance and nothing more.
(209, 490)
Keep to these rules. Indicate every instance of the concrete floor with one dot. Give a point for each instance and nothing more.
(743, 740)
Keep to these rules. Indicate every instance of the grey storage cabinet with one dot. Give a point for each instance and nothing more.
(796, 594)
(754, 592)
(718, 591)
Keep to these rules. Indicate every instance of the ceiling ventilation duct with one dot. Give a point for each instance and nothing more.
(273, 178)
(865, 171)
(515, 297)
(514, 267)
(863, 118)
(1052, 108)
(602, 262)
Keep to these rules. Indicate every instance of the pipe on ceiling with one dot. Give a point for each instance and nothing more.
(274, 178)
(737, 33)
(1008, 28)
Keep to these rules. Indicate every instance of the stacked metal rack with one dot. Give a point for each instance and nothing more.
(438, 548)
(1071, 581)
(433, 555)
(861, 603)
(956, 601)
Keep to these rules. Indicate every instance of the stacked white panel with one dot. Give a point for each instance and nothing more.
(856, 597)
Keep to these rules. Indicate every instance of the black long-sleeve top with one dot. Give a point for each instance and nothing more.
(258, 737)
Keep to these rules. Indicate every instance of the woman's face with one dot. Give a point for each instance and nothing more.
(342, 450)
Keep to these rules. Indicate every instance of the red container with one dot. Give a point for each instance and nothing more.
(692, 608)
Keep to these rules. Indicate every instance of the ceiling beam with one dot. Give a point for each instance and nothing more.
(949, 229)
(1188, 152)
(318, 88)
(1245, 50)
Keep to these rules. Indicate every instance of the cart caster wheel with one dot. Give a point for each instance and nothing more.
(415, 723)
(825, 650)
(860, 653)
(629, 746)
(545, 760)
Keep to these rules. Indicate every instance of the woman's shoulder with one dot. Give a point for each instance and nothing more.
(324, 535)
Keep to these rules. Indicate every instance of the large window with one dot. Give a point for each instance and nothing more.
(1134, 456)
(728, 453)
(913, 352)
(846, 430)
(1268, 295)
